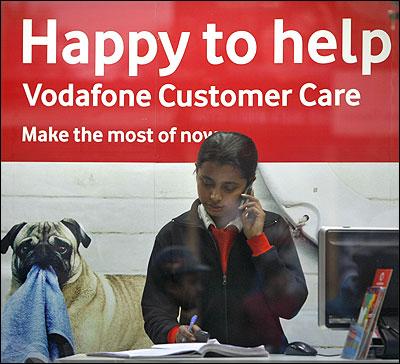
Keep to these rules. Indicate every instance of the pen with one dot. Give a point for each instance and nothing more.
(192, 322)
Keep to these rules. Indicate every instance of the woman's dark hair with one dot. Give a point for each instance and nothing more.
(231, 148)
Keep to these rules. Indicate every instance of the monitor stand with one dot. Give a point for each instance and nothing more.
(377, 347)
(387, 344)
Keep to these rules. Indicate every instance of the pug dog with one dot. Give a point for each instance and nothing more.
(104, 310)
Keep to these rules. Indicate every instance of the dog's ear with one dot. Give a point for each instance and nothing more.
(77, 230)
(10, 237)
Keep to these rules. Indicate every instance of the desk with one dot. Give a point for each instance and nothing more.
(273, 358)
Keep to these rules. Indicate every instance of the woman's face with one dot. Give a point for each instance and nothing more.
(219, 187)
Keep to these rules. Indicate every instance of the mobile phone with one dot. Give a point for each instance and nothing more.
(247, 191)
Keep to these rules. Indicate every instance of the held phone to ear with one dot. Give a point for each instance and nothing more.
(247, 191)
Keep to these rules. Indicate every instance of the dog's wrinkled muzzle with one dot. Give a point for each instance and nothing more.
(44, 255)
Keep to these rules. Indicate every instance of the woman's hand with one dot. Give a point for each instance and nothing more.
(184, 335)
(253, 216)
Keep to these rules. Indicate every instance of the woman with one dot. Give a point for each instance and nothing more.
(255, 276)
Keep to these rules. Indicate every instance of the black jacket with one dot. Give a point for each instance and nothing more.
(242, 308)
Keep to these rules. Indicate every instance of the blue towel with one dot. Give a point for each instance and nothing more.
(35, 321)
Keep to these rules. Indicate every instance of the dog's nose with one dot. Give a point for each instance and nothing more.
(42, 250)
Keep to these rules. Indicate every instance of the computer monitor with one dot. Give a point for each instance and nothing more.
(348, 259)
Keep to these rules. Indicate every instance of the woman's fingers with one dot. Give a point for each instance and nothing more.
(253, 216)
(184, 335)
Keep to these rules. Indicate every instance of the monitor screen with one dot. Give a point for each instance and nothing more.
(348, 259)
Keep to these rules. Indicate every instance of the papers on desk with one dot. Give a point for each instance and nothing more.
(210, 348)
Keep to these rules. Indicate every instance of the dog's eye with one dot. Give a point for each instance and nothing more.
(61, 249)
(24, 249)
(60, 245)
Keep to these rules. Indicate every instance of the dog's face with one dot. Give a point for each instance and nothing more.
(46, 244)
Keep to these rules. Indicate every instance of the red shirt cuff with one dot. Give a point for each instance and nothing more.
(259, 244)
(171, 338)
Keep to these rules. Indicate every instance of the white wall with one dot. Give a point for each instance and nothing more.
(122, 206)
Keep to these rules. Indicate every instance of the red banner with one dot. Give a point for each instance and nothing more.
(148, 81)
